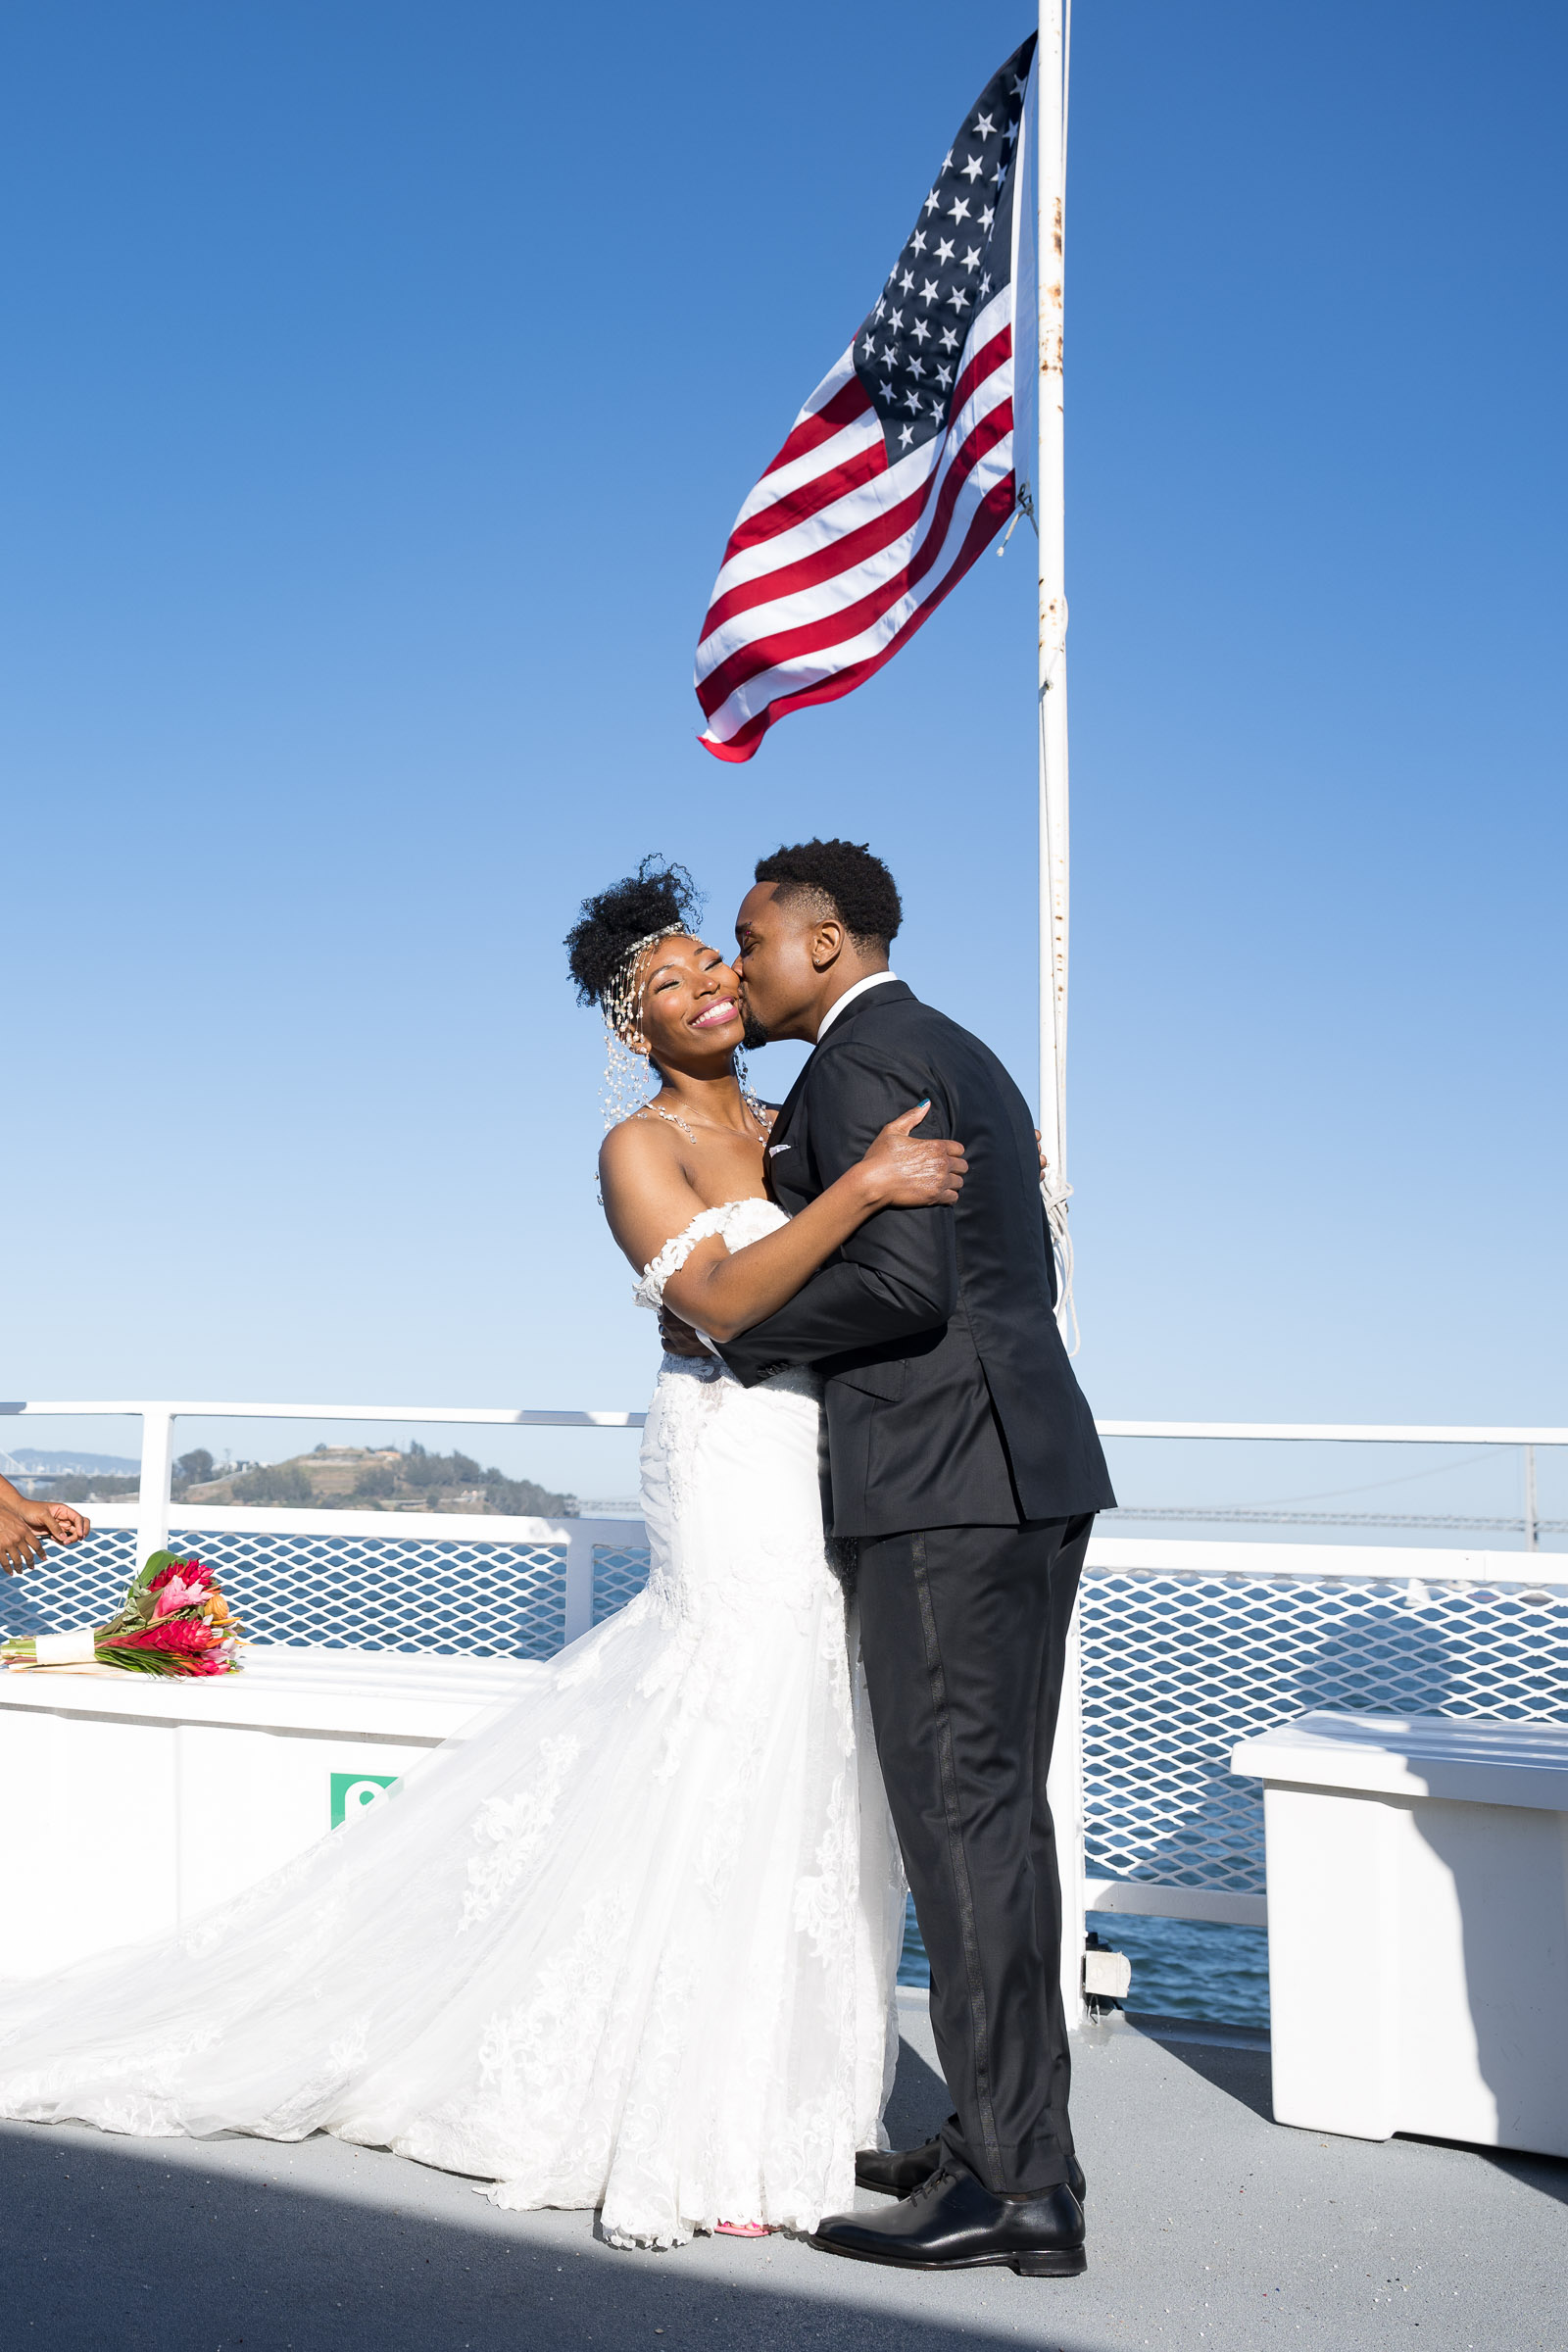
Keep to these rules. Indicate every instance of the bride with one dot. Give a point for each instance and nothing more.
(630, 1943)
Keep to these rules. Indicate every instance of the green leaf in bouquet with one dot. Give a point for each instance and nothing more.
(148, 1570)
(135, 1660)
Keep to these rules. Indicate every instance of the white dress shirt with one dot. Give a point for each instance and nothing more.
(871, 980)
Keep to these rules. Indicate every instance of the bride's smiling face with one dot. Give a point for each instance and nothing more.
(690, 1008)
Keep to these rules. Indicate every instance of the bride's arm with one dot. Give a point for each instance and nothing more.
(647, 1199)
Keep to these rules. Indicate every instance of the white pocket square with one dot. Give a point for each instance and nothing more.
(773, 1149)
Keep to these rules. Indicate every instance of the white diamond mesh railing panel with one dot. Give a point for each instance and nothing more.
(69, 1589)
(619, 1574)
(453, 1596)
(1177, 1669)
(465, 1598)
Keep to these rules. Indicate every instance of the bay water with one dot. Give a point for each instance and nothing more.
(1181, 1967)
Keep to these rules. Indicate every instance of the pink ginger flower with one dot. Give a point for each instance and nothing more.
(178, 1594)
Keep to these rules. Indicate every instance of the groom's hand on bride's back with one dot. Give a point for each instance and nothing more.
(906, 1171)
(680, 1338)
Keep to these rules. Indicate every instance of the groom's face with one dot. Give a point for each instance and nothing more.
(780, 972)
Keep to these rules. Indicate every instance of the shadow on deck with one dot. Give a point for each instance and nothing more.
(1209, 2227)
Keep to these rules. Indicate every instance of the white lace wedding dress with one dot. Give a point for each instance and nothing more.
(631, 1945)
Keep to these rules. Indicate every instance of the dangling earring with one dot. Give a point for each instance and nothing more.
(625, 1086)
(743, 1079)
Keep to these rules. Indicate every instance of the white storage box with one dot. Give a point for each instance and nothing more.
(1418, 1926)
(128, 1803)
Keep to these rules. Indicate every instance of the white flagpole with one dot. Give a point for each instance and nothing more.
(1065, 1785)
(1056, 22)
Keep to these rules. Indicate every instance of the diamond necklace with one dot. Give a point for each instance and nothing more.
(752, 1106)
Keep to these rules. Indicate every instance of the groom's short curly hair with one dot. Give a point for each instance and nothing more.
(847, 880)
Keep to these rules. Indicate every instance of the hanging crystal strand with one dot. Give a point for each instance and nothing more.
(625, 1086)
(748, 1095)
(626, 1073)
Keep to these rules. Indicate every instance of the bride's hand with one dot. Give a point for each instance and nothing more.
(902, 1172)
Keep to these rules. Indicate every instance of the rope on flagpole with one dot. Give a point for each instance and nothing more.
(1061, 1250)
(1023, 504)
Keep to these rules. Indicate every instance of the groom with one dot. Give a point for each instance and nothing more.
(964, 1463)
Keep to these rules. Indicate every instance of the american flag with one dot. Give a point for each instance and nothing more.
(899, 469)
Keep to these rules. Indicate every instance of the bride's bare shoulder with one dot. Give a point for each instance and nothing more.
(641, 1143)
(646, 1191)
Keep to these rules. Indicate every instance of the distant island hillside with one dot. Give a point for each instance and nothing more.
(359, 1478)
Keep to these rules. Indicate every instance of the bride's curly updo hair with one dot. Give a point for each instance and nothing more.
(657, 900)
(603, 954)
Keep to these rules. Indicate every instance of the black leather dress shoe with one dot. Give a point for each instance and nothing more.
(952, 2224)
(896, 2170)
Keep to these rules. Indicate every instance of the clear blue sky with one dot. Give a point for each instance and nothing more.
(380, 384)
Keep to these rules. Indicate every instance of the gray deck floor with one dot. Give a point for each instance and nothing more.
(1209, 2227)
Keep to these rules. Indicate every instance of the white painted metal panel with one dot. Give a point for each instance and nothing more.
(1418, 1937)
(132, 1805)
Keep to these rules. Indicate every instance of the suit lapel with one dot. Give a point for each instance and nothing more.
(792, 1101)
(786, 1147)
(790, 1141)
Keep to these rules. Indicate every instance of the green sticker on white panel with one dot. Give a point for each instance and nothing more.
(354, 1791)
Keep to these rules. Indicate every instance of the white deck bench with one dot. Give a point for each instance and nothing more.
(1418, 1926)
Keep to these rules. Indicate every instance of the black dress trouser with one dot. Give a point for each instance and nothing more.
(963, 1632)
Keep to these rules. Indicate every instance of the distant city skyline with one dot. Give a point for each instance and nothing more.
(29, 1461)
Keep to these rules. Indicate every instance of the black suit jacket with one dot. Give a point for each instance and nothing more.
(949, 1397)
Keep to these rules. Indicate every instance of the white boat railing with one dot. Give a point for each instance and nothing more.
(158, 1433)
(158, 1420)
(1181, 1647)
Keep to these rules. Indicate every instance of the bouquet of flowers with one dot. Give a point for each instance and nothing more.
(173, 1620)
